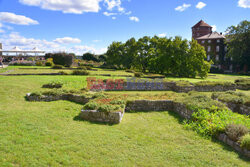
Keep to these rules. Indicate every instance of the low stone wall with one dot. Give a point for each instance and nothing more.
(104, 117)
(48, 98)
(159, 105)
(224, 138)
(216, 88)
(238, 108)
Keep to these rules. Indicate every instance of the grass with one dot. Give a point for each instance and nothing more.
(50, 134)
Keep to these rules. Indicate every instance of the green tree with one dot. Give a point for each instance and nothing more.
(115, 54)
(238, 42)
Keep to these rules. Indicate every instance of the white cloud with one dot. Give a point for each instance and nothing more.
(66, 6)
(182, 7)
(15, 39)
(16, 19)
(111, 4)
(214, 27)
(128, 13)
(200, 5)
(97, 40)
(244, 3)
(162, 35)
(80, 49)
(109, 14)
(67, 40)
(133, 18)
(1, 30)
(113, 18)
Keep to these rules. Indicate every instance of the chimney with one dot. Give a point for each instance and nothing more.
(220, 33)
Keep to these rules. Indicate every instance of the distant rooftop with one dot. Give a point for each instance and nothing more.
(213, 35)
(201, 24)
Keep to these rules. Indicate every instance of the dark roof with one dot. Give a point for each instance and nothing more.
(201, 24)
(213, 35)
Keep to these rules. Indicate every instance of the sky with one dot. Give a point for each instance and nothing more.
(81, 26)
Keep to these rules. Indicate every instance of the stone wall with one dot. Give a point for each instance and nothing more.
(224, 138)
(159, 105)
(47, 98)
(104, 117)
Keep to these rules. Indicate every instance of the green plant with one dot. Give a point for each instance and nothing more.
(63, 59)
(39, 63)
(183, 83)
(90, 106)
(245, 141)
(129, 70)
(108, 108)
(80, 72)
(53, 85)
(57, 67)
(212, 83)
(138, 74)
(62, 73)
(119, 102)
(49, 63)
(235, 132)
(82, 67)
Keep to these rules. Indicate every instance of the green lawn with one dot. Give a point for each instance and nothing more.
(50, 134)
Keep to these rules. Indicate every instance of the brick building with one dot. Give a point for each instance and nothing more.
(214, 44)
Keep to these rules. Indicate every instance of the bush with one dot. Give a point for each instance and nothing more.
(22, 63)
(63, 59)
(245, 141)
(138, 74)
(53, 85)
(108, 108)
(90, 106)
(235, 132)
(57, 67)
(82, 68)
(232, 97)
(48, 63)
(39, 63)
(119, 102)
(80, 72)
(213, 123)
(88, 67)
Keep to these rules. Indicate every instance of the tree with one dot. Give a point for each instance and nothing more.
(238, 42)
(89, 57)
(63, 59)
(115, 54)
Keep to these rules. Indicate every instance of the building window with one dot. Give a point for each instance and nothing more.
(217, 48)
(209, 48)
(217, 57)
(208, 57)
(209, 41)
(218, 41)
(203, 41)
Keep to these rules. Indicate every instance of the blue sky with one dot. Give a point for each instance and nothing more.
(91, 25)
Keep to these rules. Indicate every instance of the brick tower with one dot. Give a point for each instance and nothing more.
(201, 29)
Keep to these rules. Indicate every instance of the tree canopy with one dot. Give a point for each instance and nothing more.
(173, 56)
(238, 42)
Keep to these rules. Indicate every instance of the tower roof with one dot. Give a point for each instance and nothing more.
(201, 24)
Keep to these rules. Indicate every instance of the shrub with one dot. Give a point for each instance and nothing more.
(235, 132)
(138, 74)
(88, 67)
(39, 63)
(212, 123)
(90, 106)
(63, 59)
(22, 63)
(183, 83)
(245, 141)
(48, 63)
(57, 67)
(80, 72)
(53, 85)
(82, 68)
(232, 97)
(108, 108)
(119, 102)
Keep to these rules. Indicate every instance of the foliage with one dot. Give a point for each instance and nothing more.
(183, 83)
(62, 73)
(213, 83)
(129, 70)
(63, 59)
(238, 40)
(117, 102)
(53, 85)
(212, 123)
(49, 63)
(90, 106)
(90, 56)
(243, 82)
(82, 67)
(235, 132)
(39, 63)
(232, 97)
(22, 63)
(245, 141)
(176, 56)
(80, 72)
(109, 108)
(138, 74)
(56, 66)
